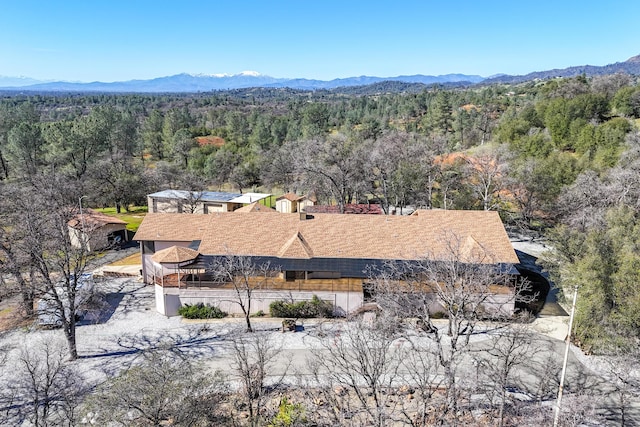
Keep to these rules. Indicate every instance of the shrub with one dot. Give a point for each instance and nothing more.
(289, 414)
(201, 311)
(302, 309)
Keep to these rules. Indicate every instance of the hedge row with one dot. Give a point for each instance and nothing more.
(302, 309)
(201, 311)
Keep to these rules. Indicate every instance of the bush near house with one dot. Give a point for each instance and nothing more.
(302, 309)
(201, 311)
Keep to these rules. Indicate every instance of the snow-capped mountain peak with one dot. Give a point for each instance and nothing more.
(249, 73)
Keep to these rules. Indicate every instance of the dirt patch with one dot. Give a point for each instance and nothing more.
(11, 315)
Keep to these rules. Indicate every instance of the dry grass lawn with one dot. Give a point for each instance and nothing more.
(133, 259)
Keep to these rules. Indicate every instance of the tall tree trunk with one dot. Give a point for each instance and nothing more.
(27, 295)
(70, 335)
(247, 312)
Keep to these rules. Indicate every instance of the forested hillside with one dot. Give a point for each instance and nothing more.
(556, 157)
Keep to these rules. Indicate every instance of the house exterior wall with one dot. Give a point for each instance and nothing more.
(211, 207)
(172, 298)
(160, 205)
(326, 279)
(97, 239)
(167, 301)
(165, 205)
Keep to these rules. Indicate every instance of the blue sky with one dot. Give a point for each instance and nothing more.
(114, 40)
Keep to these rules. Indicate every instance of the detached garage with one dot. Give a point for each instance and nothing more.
(97, 230)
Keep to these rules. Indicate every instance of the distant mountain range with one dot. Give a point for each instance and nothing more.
(204, 83)
(630, 66)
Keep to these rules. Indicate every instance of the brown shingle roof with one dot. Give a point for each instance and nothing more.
(93, 219)
(291, 197)
(425, 234)
(175, 254)
(296, 247)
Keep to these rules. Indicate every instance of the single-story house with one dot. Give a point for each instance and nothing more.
(97, 230)
(200, 202)
(323, 254)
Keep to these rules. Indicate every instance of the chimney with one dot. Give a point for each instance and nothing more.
(303, 215)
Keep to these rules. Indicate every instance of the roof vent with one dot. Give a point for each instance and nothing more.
(305, 216)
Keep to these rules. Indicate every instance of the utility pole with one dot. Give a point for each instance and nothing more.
(556, 417)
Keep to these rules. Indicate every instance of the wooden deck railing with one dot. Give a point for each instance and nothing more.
(270, 283)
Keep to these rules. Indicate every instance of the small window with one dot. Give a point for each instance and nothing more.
(290, 276)
(148, 247)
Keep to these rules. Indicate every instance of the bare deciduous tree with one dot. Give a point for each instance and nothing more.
(52, 265)
(460, 283)
(163, 388)
(335, 165)
(254, 356)
(400, 166)
(245, 277)
(422, 379)
(45, 390)
(485, 172)
(624, 372)
(364, 360)
(510, 347)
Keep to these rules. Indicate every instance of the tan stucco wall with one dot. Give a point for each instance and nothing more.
(171, 299)
(98, 239)
(171, 206)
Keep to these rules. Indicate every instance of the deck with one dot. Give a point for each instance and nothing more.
(270, 283)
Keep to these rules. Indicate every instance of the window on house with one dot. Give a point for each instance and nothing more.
(148, 247)
(290, 276)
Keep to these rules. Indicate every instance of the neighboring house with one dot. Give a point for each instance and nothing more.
(323, 254)
(97, 230)
(201, 202)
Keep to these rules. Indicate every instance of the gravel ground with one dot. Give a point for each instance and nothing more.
(130, 325)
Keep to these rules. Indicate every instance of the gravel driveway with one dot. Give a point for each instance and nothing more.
(131, 325)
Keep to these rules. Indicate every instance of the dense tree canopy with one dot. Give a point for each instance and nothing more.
(544, 153)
